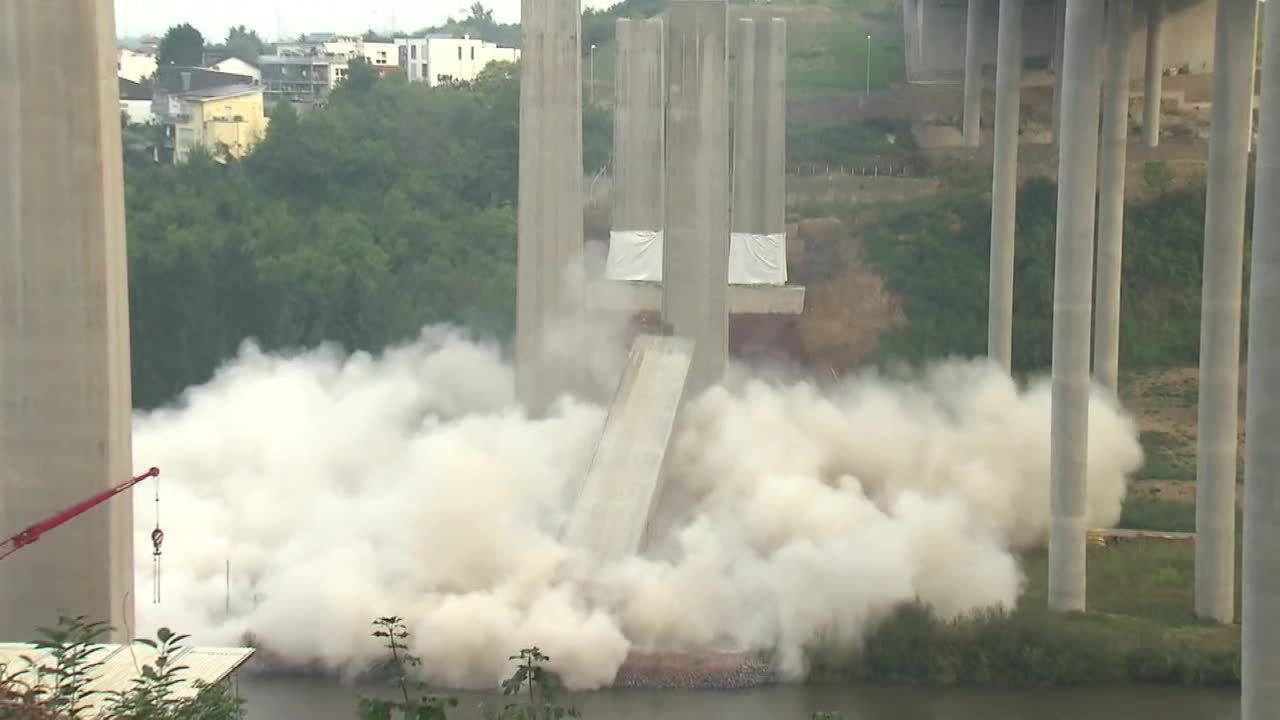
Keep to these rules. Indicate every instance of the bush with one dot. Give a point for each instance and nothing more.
(59, 688)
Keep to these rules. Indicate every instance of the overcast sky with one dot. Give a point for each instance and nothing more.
(272, 18)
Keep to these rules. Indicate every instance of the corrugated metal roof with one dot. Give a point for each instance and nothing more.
(209, 665)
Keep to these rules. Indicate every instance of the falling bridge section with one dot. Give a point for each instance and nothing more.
(611, 512)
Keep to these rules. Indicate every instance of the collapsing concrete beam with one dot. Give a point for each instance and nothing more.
(549, 275)
(639, 116)
(1228, 174)
(973, 74)
(64, 315)
(695, 254)
(1072, 295)
(1115, 137)
(1004, 184)
(611, 512)
(1154, 82)
(757, 246)
(1260, 630)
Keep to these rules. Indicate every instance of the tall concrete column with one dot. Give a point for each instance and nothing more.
(550, 284)
(64, 315)
(639, 135)
(1059, 39)
(757, 248)
(1154, 82)
(1228, 176)
(1260, 628)
(973, 73)
(1004, 183)
(695, 259)
(748, 139)
(1115, 138)
(1072, 296)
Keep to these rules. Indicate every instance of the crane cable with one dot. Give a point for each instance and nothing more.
(157, 538)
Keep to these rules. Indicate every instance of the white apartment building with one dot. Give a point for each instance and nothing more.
(379, 54)
(442, 60)
(135, 66)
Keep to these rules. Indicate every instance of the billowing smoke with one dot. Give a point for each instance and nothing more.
(341, 488)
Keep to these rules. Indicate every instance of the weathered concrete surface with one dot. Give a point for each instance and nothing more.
(695, 266)
(1072, 299)
(1059, 42)
(747, 175)
(1153, 69)
(639, 118)
(1221, 297)
(1260, 631)
(972, 117)
(611, 512)
(1115, 137)
(760, 132)
(1004, 184)
(759, 215)
(549, 277)
(64, 315)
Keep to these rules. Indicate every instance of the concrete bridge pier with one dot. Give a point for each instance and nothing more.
(1072, 298)
(695, 256)
(1260, 631)
(64, 316)
(639, 135)
(1228, 176)
(1059, 40)
(550, 282)
(1004, 184)
(757, 244)
(973, 73)
(1115, 139)
(1154, 77)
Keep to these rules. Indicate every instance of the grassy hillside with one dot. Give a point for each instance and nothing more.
(826, 41)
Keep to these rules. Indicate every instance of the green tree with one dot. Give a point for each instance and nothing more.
(398, 667)
(542, 686)
(181, 45)
(361, 76)
(245, 44)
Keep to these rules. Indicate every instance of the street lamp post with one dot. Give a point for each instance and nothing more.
(593, 74)
(868, 64)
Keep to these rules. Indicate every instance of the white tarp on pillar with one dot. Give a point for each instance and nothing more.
(635, 255)
(756, 259)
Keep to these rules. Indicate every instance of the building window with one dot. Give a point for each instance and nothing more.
(413, 52)
(459, 52)
(473, 54)
(425, 74)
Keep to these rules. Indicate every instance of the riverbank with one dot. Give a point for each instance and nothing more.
(1140, 629)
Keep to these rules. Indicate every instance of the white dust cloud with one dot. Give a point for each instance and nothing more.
(342, 488)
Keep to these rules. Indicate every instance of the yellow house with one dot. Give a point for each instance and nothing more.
(228, 121)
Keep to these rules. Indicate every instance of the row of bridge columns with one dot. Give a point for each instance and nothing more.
(1094, 80)
(1153, 80)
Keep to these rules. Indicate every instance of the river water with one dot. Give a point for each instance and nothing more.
(278, 698)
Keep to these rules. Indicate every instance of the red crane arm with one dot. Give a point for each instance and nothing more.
(33, 533)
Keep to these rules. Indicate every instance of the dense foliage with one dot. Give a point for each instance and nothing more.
(181, 45)
(357, 224)
(935, 255)
(1141, 628)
